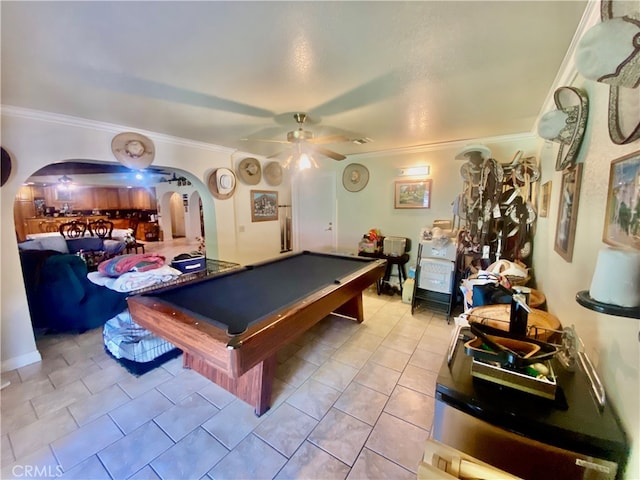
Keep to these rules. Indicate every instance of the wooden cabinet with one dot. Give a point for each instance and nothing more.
(79, 199)
(21, 211)
(90, 198)
(148, 231)
(52, 224)
(143, 198)
(25, 194)
(104, 198)
(120, 223)
(124, 201)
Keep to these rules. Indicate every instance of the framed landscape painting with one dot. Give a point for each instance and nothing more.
(413, 194)
(622, 216)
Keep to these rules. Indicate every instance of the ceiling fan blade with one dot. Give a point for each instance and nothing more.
(328, 153)
(375, 90)
(330, 139)
(262, 140)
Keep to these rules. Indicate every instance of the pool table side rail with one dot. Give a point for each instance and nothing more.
(182, 330)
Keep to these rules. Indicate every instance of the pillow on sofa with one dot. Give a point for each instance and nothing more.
(30, 245)
(113, 247)
(54, 242)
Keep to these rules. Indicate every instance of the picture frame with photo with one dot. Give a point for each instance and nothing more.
(63, 195)
(622, 214)
(412, 193)
(545, 198)
(264, 205)
(568, 212)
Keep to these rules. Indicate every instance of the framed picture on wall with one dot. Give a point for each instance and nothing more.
(545, 196)
(63, 194)
(622, 216)
(413, 194)
(568, 211)
(264, 205)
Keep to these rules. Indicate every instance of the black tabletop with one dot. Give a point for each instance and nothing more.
(572, 421)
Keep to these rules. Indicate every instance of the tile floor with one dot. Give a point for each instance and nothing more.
(350, 401)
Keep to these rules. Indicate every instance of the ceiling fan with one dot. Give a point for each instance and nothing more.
(304, 142)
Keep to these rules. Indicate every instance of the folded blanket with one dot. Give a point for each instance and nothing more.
(131, 281)
(131, 263)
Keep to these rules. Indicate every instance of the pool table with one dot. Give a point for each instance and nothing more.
(230, 326)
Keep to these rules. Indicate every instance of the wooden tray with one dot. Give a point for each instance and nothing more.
(536, 298)
(540, 324)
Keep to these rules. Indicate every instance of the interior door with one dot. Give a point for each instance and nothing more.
(314, 211)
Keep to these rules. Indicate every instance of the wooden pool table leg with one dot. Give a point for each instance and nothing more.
(353, 308)
(254, 387)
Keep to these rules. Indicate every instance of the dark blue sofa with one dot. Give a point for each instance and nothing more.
(60, 296)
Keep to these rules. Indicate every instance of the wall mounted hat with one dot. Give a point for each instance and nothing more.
(5, 167)
(273, 174)
(609, 52)
(355, 177)
(222, 183)
(133, 150)
(566, 125)
(250, 171)
(467, 153)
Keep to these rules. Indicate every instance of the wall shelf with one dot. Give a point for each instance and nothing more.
(584, 299)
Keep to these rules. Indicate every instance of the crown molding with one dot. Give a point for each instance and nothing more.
(70, 121)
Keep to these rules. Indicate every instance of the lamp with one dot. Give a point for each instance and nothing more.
(422, 170)
(301, 159)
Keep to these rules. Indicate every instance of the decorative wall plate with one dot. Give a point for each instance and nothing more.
(355, 177)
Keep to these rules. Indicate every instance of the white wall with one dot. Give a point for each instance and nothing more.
(373, 207)
(256, 241)
(36, 139)
(612, 342)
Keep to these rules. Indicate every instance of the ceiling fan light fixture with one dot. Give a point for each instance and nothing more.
(304, 162)
(65, 183)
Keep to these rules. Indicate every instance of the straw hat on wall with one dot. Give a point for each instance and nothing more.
(133, 150)
(250, 171)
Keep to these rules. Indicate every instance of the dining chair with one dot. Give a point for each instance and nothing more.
(73, 229)
(101, 228)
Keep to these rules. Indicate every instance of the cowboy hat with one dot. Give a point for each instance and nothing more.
(566, 125)
(133, 150)
(465, 153)
(5, 168)
(222, 183)
(609, 52)
(249, 171)
(355, 177)
(273, 174)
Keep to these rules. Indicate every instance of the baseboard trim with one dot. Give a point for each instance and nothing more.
(21, 361)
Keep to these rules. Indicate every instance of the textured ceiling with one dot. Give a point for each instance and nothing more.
(401, 73)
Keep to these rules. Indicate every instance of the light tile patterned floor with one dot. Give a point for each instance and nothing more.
(351, 401)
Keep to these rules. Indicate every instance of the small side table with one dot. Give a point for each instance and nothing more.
(399, 261)
(134, 246)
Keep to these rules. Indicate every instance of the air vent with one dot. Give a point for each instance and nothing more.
(362, 141)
